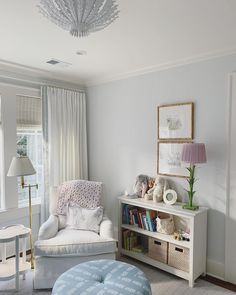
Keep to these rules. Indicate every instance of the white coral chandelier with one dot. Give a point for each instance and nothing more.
(80, 17)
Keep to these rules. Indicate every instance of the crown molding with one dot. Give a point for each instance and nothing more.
(161, 67)
(14, 73)
(12, 65)
(20, 75)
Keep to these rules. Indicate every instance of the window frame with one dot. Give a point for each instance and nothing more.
(31, 131)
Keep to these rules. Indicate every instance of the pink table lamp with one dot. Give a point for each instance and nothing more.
(192, 153)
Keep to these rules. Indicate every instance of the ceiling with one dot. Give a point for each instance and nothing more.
(148, 35)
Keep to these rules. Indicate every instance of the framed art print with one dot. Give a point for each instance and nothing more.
(169, 159)
(170, 197)
(175, 121)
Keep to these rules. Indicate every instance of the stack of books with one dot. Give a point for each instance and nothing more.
(131, 242)
(143, 218)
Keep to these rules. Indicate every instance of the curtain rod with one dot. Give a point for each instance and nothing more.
(70, 89)
(31, 96)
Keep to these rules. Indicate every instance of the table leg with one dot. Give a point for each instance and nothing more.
(17, 263)
(24, 253)
(4, 253)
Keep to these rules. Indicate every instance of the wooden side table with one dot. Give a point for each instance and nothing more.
(13, 267)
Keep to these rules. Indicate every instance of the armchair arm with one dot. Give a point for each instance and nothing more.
(49, 228)
(106, 228)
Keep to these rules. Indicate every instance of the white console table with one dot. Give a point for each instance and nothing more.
(12, 267)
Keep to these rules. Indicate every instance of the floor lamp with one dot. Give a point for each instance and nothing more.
(22, 166)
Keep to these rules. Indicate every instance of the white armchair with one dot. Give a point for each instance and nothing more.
(59, 248)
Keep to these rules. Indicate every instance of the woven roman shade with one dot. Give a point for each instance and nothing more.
(28, 112)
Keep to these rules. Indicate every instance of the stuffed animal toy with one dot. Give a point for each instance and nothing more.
(151, 182)
(157, 191)
(141, 185)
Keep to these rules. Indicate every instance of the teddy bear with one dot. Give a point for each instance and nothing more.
(141, 185)
(157, 191)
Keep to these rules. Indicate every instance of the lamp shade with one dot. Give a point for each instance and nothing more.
(21, 166)
(194, 153)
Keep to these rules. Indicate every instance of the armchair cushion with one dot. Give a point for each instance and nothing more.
(83, 218)
(70, 242)
(49, 228)
(106, 228)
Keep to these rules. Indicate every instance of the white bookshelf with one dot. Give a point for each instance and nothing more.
(197, 222)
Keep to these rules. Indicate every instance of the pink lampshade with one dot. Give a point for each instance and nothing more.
(194, 153)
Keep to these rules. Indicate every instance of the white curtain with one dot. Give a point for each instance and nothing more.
(65, 138)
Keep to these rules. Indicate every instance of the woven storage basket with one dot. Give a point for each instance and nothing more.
(178, 257)
(157, 249)
(165, 223)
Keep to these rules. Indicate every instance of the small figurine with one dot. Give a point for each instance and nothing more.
(185, 237)
(181, 236)
(177, 236)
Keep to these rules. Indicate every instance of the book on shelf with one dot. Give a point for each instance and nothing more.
(141, 220)
(129, 239)
(138, 249)
(125, 238)
(134, 217)
(126, 214)
(148, 217)
(145, 222)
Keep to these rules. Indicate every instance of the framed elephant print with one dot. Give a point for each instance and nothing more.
(175, 121)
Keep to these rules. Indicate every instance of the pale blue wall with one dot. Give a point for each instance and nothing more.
(122, 135)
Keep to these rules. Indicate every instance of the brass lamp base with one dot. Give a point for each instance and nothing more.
(31, 261)
(29, 186)
(193, 207)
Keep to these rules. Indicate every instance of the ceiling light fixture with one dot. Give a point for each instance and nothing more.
(80, 17)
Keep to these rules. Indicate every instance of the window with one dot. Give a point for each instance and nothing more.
(1, 168)
(1, 149)
(29, 143)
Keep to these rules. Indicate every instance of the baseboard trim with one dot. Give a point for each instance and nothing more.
(216, 269)
(220, 283)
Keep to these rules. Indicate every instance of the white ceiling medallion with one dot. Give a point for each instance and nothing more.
(80, 17)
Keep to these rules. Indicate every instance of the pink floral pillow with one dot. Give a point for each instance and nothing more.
(83, 193)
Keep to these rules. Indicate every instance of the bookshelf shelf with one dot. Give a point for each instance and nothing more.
(155, 235)
(144, 258)
(196, 247)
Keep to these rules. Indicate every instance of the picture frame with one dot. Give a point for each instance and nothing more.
(169, 159)
(176, 121)
(170, 197)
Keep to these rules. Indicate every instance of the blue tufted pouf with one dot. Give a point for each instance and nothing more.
(102, 277)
